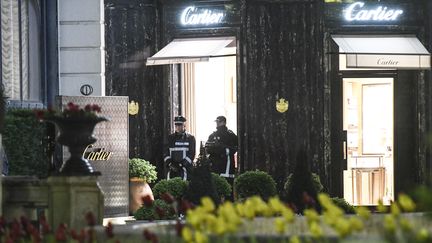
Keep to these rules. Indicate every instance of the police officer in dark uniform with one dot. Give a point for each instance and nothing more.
(180, 151)
(221, 147)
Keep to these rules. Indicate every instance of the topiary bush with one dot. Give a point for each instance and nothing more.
(316, 183)
(176, 187)
(142, 169)
(253, 183)
(25, 143)
(159, 210)
(344, 205)
(223, 188)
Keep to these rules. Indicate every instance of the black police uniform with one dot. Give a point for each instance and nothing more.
(179, 153)
(221, 147)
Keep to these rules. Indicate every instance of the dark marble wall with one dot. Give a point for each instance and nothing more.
(131, 35)
(282, 48)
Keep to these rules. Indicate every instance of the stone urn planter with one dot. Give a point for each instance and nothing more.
(76, 133)
(141, 173)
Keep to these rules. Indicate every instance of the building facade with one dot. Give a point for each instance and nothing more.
(288, 50)
(349, 81)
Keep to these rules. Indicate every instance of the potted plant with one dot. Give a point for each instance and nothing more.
(141, 173)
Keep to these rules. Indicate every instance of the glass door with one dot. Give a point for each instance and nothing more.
(368, 122)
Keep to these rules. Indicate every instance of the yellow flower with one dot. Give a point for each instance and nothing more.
(220, 227)
(249, 211)
(294, 239)
(325, 200)
(389, 223)
(276, 205)
(422, 235)
(315, 230)
(330, 218)
(288, 215)
(363, 212)
(280, 225)
(187, 234)
(405, 224)
(406, 203)
(356, 224)
(241, 209)
(311, 215)
(200, 237)
(394, 209)
(381, 208)
(207, 204)
(342, 227)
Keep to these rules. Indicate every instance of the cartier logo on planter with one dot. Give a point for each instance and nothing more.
(201, 16)
(96, 154)
(360, 12)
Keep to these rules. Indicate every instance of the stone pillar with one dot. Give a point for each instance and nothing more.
(71, 198)
(81, 47)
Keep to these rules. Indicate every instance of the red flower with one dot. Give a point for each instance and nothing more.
(88, 108)
(16, 232)
(160, 212)
(184, 206)
(72, 107)
(147, 201)
(96, 108)
(40, 114)
(109, 230)
(168, 198)
(60, 234)
(90, 218)
(46, 229)
(78, 237)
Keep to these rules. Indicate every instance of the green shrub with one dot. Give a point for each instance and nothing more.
(142, 169)
(316, 183)
(223, 188)
(150, 213)
(176, 187)
(344, 205)
(255, 183)
(24, 139)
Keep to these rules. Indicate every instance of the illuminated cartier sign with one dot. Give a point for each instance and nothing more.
(357, 12)
(195, 16)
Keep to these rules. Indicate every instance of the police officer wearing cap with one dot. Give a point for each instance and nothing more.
(221, 147)
(179, 151)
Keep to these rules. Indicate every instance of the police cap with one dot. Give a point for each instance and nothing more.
(179, 120)
(220, 119)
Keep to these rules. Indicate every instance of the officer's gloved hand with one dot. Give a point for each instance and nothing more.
(174, 167)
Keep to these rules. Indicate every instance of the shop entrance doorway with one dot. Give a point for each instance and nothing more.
(368, 111)
(208, 90)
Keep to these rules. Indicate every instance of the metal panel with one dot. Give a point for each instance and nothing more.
(113, 137)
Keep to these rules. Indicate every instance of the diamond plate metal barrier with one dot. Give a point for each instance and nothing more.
(113, 136)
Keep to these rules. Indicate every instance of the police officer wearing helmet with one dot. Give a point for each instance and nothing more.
(221, 146)
(179, 151)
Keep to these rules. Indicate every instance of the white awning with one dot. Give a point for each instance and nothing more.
(192, 50)
(383, 51)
